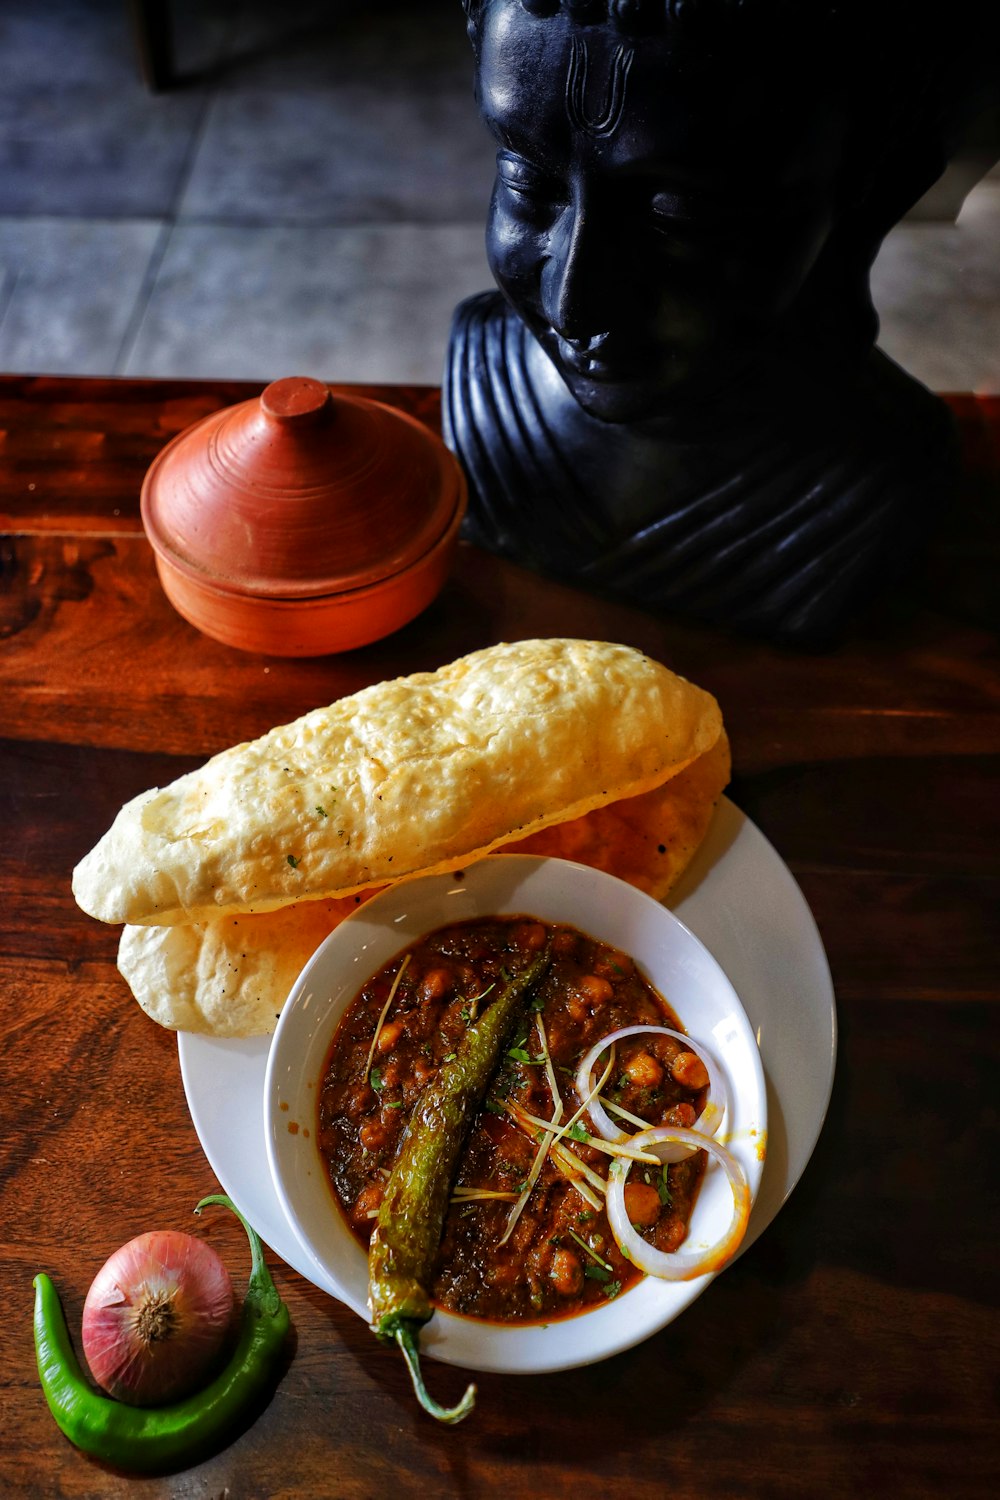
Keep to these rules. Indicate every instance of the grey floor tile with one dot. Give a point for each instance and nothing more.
(79, 133)
(316, 44)
(344, 114)
(352, 155)
(348, 303)
(68, 290)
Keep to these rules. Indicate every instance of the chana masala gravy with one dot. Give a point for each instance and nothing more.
(560, 1257)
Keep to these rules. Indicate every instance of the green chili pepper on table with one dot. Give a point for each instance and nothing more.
(149, 1438)
(411, 1217)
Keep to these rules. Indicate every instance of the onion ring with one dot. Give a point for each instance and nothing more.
(716, 1104)
(678, 1265)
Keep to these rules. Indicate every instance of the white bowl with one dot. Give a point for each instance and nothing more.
(672, 959)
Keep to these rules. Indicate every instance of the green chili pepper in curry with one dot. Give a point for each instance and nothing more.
(148, 1438)
(411, 1217)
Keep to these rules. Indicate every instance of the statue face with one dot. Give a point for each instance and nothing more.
(654, 222)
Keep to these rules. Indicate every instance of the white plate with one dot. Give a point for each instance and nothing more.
(555, 890)
(739, 898)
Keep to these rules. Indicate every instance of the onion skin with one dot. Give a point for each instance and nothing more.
(157, 1318)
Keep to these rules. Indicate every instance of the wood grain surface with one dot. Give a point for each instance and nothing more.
(854, 1348)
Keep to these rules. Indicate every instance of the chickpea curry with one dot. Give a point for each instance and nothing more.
(526, 1237)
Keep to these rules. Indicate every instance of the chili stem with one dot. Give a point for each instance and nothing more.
(406, 1335)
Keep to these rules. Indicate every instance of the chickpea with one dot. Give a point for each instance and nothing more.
(576, 1008)
(391, 1073)
(362, 1098)
(642, 1203)
(389, 1114)
(435, 984)
(643, 1070)
(423, 1071)
(389, 1036)
(529, 935)
(566, 1273)
(664, 1048)
(373, 1135)
(682, 1115)
(367, 1202)
(596, 990)
(689, 1071)
(613, 964)
(670, 1233)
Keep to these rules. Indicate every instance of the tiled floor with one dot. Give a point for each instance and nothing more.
(311, 200)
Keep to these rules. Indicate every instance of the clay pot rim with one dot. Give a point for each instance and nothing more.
(452, 477)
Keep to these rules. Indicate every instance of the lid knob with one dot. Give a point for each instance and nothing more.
(297, 401)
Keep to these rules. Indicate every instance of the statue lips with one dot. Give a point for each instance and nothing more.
(583, 357)
(615, 376)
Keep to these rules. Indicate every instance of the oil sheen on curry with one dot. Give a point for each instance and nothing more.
(508, 1254)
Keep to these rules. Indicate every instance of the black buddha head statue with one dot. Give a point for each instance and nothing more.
(691, 192)
(676, 393)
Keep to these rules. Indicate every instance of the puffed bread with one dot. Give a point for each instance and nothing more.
(230, 976)
(410, 776)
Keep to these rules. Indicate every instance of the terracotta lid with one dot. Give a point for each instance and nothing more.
(300, 493)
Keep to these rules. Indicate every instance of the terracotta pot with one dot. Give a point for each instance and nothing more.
(303, 522)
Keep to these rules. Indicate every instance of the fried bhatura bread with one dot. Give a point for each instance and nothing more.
(230, 976)
(418, 774)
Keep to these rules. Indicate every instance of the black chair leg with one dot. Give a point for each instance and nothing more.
(154, 42)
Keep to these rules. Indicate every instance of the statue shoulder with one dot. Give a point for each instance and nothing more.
(481, 331)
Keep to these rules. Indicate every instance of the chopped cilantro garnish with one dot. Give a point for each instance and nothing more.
(663, 1189)
(576, 1132)
(520, 1054)
(612, 1289)
(320, 811)
(293, 861)
(594, 1272)
(376, 1078)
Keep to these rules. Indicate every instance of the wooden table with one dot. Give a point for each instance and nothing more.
(853, 1348)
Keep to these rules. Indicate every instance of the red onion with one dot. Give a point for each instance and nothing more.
(157, 1317)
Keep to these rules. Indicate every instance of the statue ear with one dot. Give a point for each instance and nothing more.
(473, 13)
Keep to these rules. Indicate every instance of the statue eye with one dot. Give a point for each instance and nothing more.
(675, 211)
(526, 180)
(687, 223)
